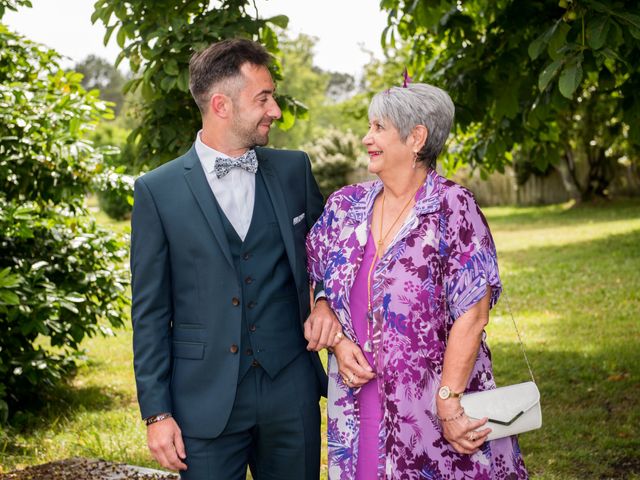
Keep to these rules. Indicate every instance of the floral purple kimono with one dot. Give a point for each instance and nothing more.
(436, 268)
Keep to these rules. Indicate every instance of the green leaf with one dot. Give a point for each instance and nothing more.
(121, 37)
(548, 73)
(183, 80)
(630, 18)
(171, 68)
(167, 83)
(281, 21)
(96, 15)
(597, 30)
(570, 78)
(107, 36)
(287, 120)
(9, 298)
(537, 46)
(558, 40)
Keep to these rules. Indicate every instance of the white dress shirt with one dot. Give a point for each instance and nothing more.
(235, 192)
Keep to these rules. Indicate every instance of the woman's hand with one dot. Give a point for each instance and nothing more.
(459, 430)
(352, 365)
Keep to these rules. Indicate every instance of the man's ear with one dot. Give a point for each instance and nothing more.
(418, 137)
(220, 105)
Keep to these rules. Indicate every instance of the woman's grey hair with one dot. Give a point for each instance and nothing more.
(417, 104)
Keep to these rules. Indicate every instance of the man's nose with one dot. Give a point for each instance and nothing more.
(275, 112)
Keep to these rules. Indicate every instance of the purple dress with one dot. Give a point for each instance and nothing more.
(436, 268)
(367, 396)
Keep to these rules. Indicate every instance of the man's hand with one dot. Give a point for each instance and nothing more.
(322, 327)
(165, 442)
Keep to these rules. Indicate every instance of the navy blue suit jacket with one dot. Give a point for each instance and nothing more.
(184, 284)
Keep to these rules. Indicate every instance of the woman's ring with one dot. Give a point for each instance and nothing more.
(471, 437)
(339, 336)
(351, 378)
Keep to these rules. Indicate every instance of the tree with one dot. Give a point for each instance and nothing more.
(543, 81)
(61, 276)
(99, 74)
(158, 39)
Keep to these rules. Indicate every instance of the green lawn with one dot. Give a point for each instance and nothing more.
(572, 276)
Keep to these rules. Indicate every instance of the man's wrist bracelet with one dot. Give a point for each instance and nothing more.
(156, 418)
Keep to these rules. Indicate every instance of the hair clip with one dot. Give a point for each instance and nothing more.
(406, 78)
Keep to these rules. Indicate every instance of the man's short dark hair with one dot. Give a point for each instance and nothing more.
(222, 61)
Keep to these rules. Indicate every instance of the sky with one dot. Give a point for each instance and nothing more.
(343, 28)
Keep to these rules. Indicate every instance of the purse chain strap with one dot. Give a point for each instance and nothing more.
(506, 297)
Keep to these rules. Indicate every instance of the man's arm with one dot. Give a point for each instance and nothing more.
(322, 326)
(151, 308)
(151, 313)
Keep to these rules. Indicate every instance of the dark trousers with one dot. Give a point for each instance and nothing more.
(274, 428)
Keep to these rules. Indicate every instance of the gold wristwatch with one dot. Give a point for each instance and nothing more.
(445, 392)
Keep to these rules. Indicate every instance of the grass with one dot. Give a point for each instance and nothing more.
(572, 276)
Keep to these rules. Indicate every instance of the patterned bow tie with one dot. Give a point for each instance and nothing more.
(248, 162)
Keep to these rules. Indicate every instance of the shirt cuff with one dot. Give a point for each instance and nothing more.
(319, 295)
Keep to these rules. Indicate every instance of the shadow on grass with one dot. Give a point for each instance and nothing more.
(560, 215)
(590, 410)
(62, 403)
(578, 306)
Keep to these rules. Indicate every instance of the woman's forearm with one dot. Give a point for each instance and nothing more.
(461, 352)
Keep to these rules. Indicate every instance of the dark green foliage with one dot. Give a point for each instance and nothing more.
(158, 39)
(61, 276)
(551, 81)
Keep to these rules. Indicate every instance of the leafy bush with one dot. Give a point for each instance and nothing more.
(61, 277)
(334, 158)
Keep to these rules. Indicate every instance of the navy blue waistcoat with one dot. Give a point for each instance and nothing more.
(271, 335)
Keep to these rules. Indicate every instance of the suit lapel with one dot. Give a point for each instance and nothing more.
(274, 189)
(197, 181)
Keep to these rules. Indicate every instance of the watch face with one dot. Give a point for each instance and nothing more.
(444, 392)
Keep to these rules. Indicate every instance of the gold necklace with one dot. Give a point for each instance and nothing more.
(368, 347)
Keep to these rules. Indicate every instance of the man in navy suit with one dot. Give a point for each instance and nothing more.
(221, 303)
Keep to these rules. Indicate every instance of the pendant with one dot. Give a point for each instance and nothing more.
(368, 347)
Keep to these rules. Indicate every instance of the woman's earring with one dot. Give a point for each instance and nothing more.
(415, 159)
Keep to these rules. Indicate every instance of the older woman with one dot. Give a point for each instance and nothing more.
(409, 267)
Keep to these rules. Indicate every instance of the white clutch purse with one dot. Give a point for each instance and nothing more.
(511, 410)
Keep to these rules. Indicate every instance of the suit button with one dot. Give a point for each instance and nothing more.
(248, 280)
(252, 328)
(235, 301)
(249, 351)
(255, 363)
(233, 348)
(251, 304)
(246, 256)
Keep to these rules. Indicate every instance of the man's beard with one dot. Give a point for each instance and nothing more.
(250, 136)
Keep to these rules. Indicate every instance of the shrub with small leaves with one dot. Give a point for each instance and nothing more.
(62, 278)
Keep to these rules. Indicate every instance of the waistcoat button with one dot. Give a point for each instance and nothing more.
(233, 348)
